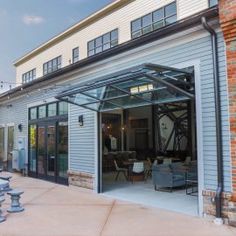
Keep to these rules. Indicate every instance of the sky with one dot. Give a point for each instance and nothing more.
(25, 24)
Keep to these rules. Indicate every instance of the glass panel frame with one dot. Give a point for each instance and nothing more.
(147, 85)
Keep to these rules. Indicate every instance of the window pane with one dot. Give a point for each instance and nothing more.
(147, 20)
(170, 9)
(63, 108)
(106, 38)
(170, 20)
(52, 109)
(33, 113)
(59, 62)
(114, 43)
(2, 144)
(99, 49)
(114, 35)
(147, 29)
(91, 45)
(42, 112)
(32, 147)
(75, 54)
(62, 149)
(136, 25)
(213, 3)
(106, 46)
(136, 34)
(158, 24)
(98, 42)
(91, 53)
(158, 15)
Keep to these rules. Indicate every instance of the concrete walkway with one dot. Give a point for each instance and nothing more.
(56, 210)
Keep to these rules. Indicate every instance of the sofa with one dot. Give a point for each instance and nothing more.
(168, 176)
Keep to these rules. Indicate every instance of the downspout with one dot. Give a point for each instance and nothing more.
(220, 177)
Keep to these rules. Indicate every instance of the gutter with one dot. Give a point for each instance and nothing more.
(216, 77)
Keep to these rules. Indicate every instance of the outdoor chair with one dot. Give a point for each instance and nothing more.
(138, 172)
(120, 170)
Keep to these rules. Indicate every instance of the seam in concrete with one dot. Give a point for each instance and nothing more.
(108, 216)
(40, 195)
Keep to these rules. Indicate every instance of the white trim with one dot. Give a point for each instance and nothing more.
(199, 128)
(96, 150)
(69, 138)
(10, 124)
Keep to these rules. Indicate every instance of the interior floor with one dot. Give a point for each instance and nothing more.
(144, 193)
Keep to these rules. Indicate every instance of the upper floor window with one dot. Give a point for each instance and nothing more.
(75, 55)
(29, 76)
(213, 3)
(52, 65)
(103, 43)
(155, 20)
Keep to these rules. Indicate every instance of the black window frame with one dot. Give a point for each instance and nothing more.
(29, 76)
(52, 65)
(100, 44)
(151, 27)
(75, 55)
(212, 4)
(47, 111)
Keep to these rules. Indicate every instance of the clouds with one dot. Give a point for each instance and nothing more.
(32, 20)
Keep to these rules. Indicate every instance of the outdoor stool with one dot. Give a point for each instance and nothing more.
(15, 201)
(6, 178)
(2, 218)
(4, 186)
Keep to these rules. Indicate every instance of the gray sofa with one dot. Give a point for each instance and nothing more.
(168, 176)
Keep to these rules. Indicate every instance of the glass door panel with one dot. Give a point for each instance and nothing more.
(41, 150)
(51, 149)
(62, 161)
(10, 146)
(2, 146)
(32, 147)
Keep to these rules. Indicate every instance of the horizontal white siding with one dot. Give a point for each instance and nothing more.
(187, 48)
(119, 19)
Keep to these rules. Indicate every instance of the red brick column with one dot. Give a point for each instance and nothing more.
(227, 11)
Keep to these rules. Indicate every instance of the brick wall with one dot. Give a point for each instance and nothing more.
(227, 11)
(228, 206)
(80, 179)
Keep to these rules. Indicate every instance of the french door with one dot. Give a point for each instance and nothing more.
(48, 151)
(46, 160)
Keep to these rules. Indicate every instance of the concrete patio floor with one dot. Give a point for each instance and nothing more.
(57, 210)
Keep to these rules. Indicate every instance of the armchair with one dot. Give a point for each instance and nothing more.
(165, 176)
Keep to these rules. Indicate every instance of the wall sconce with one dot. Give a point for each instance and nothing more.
(9, 106)
(20, 127)
(81, 120)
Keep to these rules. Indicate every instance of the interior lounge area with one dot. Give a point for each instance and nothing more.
(149, 155)
(147, 124)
